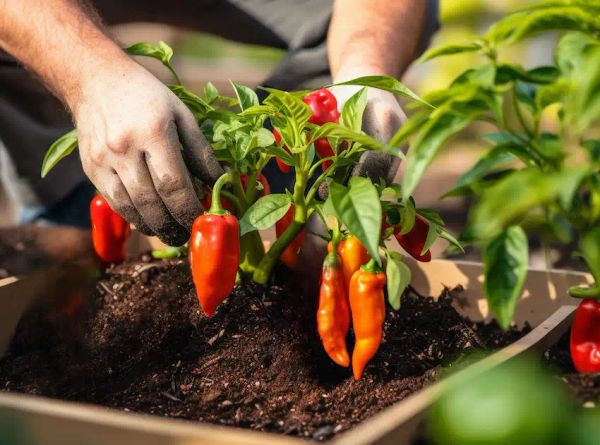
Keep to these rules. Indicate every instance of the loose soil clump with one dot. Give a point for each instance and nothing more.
(139, 342)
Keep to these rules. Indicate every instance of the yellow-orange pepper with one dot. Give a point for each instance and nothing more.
(353, 255)
(333, 315)
(368, 313)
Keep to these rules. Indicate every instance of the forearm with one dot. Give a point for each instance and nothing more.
(369, 37)
(62, 41)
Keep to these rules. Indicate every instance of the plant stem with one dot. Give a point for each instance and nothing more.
(263, 271)
(252, 252)
(584, 292)
(175, 75)
(216, 208)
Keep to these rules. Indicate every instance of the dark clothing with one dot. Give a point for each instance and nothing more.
(31, 118)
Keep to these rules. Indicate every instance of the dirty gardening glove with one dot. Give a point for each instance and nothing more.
(137, 141)
(382, 118)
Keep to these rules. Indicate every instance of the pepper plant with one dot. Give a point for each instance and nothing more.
(540, 174)
(315, 143)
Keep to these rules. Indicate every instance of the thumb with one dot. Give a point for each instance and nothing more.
(197, 152)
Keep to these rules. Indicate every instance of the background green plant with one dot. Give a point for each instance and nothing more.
(531, 179)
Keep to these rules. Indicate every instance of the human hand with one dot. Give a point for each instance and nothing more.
(137, 141)
(382, 118)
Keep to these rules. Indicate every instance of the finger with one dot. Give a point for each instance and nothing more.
(138, 182)
(120, 201)
(197, 152)
(171, 178)
(376, 165)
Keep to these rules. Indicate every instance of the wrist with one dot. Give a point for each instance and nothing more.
(98, 67)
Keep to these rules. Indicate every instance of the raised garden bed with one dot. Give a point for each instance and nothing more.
(146, 348)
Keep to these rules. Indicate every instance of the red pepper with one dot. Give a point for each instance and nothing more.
(214, 253)
(282, 165)
(109, 231)
(585, 336)
(323, 106)
(414, 241)
(289, 257)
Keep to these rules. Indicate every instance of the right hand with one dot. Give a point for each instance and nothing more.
(137, 141)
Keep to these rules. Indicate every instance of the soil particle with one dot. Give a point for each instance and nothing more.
(142, 344)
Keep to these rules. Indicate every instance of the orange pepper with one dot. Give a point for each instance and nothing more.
(353, 255)
(333, 316)
(368, 313)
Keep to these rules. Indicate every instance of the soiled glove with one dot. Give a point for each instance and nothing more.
(138, 144)
(383, 116)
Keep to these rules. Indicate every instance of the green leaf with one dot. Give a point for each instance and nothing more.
(583, 105)
(246, 96)
(59, 149)
(592, 147)
(570, 50)
(333, 130)
(521, 25)
(354, 108)
(265, 212)
(210, 92)
(414, 124)
(408, 215)
(290, 117)
(386, 83)
(359, 209)
(398, 278)
(264, 138)
(551, 93)
(161, 51)
(448, 50)
(443, 233)
(540, 75)
(505, 268)
(282, 154)
(493, 159)
(428, 143)
(432, 235)
(526, 93)
(509, 199)
(195, 103)
(590, 250)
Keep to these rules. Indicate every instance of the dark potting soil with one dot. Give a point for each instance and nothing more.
(142, 344)
(584, 387)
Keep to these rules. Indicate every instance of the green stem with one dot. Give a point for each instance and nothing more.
(252, 252)
(233, 199)
(238, 190)
(263, 271)
(371, 267)
(584, 292)
(216, 208)
(175, 75)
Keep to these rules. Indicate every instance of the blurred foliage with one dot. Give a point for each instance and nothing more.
(515, 403)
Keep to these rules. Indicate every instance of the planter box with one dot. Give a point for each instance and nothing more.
(544, 304)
